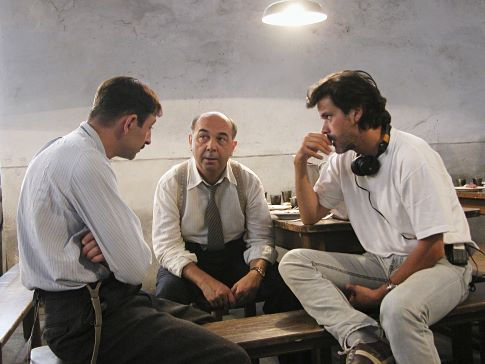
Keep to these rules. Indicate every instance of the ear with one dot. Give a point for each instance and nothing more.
(357, 114)
(129, 122)
(190, 141)
(234, 144)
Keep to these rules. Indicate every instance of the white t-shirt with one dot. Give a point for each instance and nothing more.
(412, 192)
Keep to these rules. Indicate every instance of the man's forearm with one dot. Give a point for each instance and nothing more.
(196, 275)
(310, 209)
(426, 254)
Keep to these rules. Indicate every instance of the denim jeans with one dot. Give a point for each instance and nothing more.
(318, 279)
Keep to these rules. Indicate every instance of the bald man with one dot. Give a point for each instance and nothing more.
(201, 263)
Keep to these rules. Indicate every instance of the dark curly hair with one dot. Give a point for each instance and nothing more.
(348, 90)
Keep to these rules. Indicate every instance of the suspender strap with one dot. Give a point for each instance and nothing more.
(236, 169)
(181, 175)
(36, 303)
(94, 293)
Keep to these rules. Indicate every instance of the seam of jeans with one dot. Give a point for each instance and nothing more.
(346, 347)
(349, 273)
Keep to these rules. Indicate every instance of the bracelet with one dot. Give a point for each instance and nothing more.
(259, 270)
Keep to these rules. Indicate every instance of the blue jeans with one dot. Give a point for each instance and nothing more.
(318, 279)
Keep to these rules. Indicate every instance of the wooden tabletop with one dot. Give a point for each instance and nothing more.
(322, 225)
(471, 195)
(331, 224)
(472, 199)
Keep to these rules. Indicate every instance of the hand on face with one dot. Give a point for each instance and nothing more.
(313, 143)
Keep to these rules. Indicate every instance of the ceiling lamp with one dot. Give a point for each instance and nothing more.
(293, 13)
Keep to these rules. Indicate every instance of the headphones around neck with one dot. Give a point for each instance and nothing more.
(367, 165)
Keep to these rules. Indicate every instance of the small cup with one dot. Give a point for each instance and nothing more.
(293, 201)
(460, 181)
(275, 199)
(477, 181)
(285, 196)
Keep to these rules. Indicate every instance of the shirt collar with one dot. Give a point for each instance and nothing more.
(88, 129)
(194, 178)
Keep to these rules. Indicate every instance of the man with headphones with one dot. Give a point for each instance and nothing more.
(404, 210)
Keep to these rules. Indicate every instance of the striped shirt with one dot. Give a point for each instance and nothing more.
(70, 189)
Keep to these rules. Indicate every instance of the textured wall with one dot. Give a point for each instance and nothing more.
(427, 57)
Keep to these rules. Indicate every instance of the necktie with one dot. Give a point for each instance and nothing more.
(215, 236)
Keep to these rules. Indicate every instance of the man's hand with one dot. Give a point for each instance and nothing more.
(91, 249)
(312, 144)
(217, 294)
(247, 287)
(364, 298)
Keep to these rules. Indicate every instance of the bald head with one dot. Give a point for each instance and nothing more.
(215, 114)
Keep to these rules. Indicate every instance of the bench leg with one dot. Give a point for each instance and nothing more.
(326, 353)
(250, 309)
(316, 357)
(481, 332)
(461, 344)
(217, 314)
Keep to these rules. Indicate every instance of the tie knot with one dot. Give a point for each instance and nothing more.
(213, 188)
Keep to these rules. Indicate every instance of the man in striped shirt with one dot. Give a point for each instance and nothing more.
(69, 190)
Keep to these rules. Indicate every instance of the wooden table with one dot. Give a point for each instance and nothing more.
(327, 234)
(472, 199)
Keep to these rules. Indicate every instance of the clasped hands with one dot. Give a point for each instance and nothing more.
(220, 296)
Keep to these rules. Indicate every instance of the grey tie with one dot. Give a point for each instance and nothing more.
(215, 236)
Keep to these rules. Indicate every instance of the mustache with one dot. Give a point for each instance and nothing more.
(209, 155)
(331, 138)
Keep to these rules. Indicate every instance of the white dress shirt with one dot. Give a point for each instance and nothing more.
(70, 188)
(170, 232)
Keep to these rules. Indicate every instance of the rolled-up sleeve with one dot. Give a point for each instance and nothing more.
(259, 233)
(115, 226)
(168, 245)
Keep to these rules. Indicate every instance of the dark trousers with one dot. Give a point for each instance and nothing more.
(227, 266)
(137, 328)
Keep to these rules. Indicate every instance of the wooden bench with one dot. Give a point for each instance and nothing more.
(15, 308)
(458, 326)
(276, 334)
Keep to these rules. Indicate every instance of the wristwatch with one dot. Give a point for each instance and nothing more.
(259, 270)
(390, 286)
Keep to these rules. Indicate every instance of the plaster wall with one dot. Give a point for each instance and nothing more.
(426, 56)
